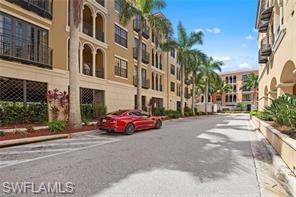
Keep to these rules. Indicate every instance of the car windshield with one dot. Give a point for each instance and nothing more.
(117, 113)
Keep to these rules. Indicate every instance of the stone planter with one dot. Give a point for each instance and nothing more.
(283, 144)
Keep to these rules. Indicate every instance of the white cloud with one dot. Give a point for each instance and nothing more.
(200, 29)
(214, 30)
(250, 37)
(223, 58)
(244, 45)
(255, 30)
(244, 65)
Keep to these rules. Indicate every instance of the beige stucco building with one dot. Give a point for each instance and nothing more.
(34, 39)
(237, 94)
(276, 23)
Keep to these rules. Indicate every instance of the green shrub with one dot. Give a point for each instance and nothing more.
(282, 111)
(172, 114)
(254, 112)
(2, 133)
(91, 112)
(144, 108)
(12, 113)
(56, 126)
(160, 111)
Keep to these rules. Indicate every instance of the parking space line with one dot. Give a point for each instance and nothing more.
(59, 153)
(57, 144)
(35, 151)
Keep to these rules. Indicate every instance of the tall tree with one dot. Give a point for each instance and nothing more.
(195, 60)
(183, 44)
(144, 12)
(251, 83)
(208, 73)
(75, 20)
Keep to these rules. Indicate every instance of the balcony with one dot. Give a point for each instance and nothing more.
(145, 83)
(40, 7)
(262, 59)
(265, 49)
(145, 56)
(266, 14)
(20, 50)
(87, 28)
(146, 30)
(263, 27)
(100, 36)
(100, 73)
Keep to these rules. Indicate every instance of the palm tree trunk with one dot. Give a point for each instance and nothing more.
(139, 67)
(182, 88)
(74, 108)
(206, 96)
(193, 93)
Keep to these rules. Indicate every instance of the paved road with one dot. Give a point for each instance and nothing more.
(209, 156)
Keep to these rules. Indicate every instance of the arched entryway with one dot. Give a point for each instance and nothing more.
(288, 79)
(273, 89)
(265, 96)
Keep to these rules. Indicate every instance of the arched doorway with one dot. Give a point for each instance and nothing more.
(273, 89)
(87, 21)
(99, 29)
(87, 65)
(100, 73)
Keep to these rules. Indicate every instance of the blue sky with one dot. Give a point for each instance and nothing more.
(228, 26)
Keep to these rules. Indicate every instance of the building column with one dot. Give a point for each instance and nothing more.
(94, 25)
(81, 59)
(94, 63)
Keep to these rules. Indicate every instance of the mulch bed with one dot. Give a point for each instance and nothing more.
(24, 125)
(285, 130)
(43, 132)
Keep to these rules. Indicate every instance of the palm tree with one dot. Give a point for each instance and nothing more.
(220, 86)
(251, 83)
(208, 73)
(75, 20)
(143, 11)
(196, 59)
(183, 44)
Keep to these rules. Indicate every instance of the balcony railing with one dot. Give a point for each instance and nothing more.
(137, 26)
(16, 49)
(145, 82)
(100, 73)
(265, 47)
(87, 28)
(266, 14)
(40, 7)
(263, 27)
(100, 35)
(145, 55)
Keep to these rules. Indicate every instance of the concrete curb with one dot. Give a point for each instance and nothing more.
(21, 141)
(280, 172)
(28, 140)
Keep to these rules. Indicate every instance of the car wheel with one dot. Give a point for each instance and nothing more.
(158, 124)
(129, 129)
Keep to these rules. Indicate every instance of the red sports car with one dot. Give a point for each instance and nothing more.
(128, 121)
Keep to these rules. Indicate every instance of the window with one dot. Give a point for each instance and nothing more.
(152, 57)
(120, 36)
(120, 67)
(172, 87)
(173, 69)
(117, 5)
(246, 97)
(245, 77)
(172, 52)
(91, 96)
(17, 90)
(23, 41)
(152, 81)
(234, 88)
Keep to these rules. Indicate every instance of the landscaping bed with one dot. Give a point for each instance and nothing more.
(42, 132)
(282, 143)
